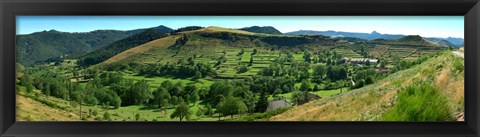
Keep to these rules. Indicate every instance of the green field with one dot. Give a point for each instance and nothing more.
(348, 53)
(157, 81)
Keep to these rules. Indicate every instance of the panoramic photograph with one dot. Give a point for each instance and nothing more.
(240, 68)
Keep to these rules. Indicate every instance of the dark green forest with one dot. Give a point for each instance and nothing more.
(41, 46)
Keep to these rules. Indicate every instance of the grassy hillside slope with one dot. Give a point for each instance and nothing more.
(107, 52)
(203, 41)
(207, 45)
(161, 43)
(32, 108)
(370, 103)
(29, 109)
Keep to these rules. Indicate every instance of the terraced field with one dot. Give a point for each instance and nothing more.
(348, 53)
(402, 52)
(262, 59)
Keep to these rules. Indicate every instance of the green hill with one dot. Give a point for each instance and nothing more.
(106, 52)
(209, 42)
(411, 40)
(265, 29)
(395, 95)
(441, 42)
(44, 45)
(41, 46)
(189, 28)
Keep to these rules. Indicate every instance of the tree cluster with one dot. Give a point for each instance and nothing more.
(181, 69)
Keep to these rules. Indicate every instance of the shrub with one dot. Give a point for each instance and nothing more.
(420, 102)
(107, 116)
(29, 88)
(315, 88)
(428, 71)
(199, 112)
(261, 116)
(137, 117)
(242, 69)
(458, 64)
(94, 113)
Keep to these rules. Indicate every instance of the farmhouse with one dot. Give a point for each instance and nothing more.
(278, 104)
(383, 70)
(360, 61)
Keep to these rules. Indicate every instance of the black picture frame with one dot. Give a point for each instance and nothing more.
(470, 9)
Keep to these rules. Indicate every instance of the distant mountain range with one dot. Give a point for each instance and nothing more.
(456, 42)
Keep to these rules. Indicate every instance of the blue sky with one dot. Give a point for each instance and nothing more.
(426, 26)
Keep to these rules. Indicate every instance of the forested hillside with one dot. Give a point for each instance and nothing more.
(45, 45)
(114, 48)
(265, 29)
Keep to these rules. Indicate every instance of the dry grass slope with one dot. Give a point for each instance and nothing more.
(31, 110)
(162, 43)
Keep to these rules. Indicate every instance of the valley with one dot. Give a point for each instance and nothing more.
(224, 74)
